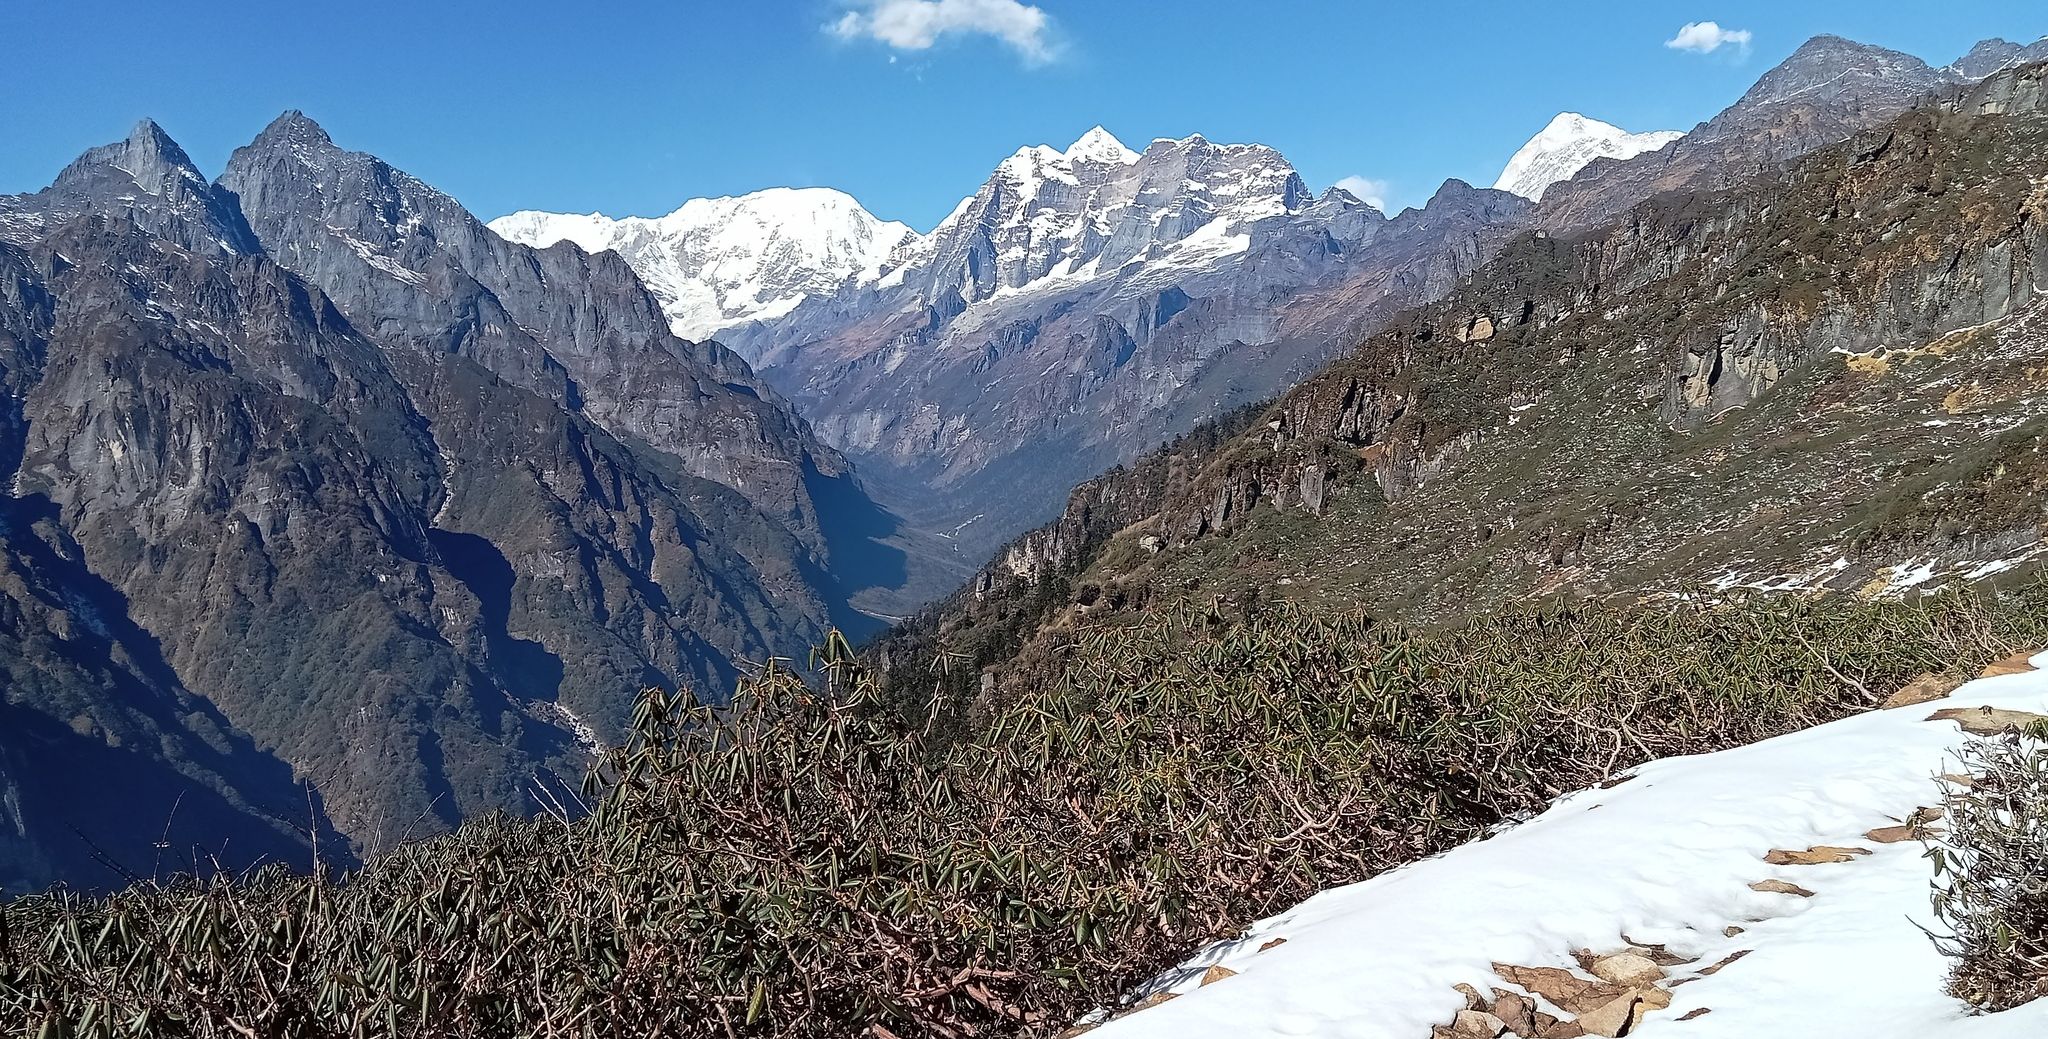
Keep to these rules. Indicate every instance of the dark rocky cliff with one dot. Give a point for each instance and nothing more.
(360, 518)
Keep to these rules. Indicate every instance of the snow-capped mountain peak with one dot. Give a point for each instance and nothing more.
(1099, 145)
(1098, 150)
(718, 262)
(1570, 127)
(590, 231)
(1049, 217)
(1568, 145)
(1028, 167)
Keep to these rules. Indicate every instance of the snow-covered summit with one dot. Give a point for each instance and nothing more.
(1049, 217)
(1568, 145)
(717, 262)
(1099, 145)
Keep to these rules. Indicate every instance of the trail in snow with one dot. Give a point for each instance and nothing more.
(1667, 857)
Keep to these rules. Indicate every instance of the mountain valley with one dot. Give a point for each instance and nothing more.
(328, 447)
(768, 589)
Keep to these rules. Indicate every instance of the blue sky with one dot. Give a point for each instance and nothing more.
(631, 107)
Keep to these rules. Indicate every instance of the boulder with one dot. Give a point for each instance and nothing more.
(1563, 988)
(1478, 1024)
(1548, 1027)
(1516, 1010)
(1987, 721)
(1627, 968)
(1612, 1018)
(1929, 686)
(2017, 664)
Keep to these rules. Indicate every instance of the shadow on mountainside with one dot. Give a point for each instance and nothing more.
(144, 778)
(528, 670)
(857, 534)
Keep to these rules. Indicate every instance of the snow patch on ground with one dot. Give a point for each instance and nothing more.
(1916, 575)
(1813, 579)
(586, 737)
(1908, 575)
(1666, 857)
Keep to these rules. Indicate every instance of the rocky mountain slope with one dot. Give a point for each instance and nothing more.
(359, 495)
(87, 693)
(1569, 144)
(718, 262)
(1827, 380)
(579, 329)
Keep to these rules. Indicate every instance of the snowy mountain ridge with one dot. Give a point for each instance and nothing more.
(1569, 144)
(1099, 145)
(1060, 216)
(1045, 216)
(1994, 56)
(716, 262)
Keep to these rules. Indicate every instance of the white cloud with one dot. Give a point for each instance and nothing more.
(1367, 190)
(915, 25)
(1708, 37)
